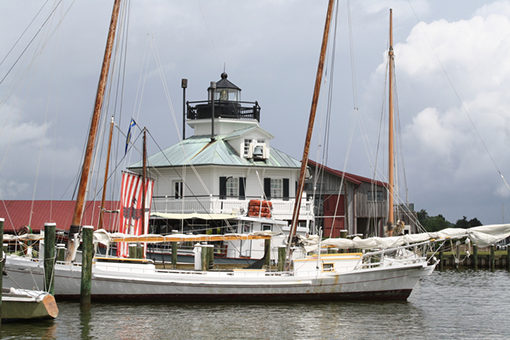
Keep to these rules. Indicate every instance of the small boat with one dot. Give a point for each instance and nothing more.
(26, 304)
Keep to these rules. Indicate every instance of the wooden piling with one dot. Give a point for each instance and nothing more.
(203, 262)
(86, 267)
(508, 258)
(475, 257)
(281, 257)
(1, 263)
(457, 256)
(139, 250)
(132, 251)
(210, 256)
(343, 234)
(61, 252)
(492, 262)
(267, 252)
(174, 254)
(49, 257)
(441, 260)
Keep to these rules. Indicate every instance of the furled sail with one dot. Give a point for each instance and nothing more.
(482, 236)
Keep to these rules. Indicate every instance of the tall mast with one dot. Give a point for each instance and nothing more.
(304, 160)
(391, 60)
(144, 177)
(103, 198)
(80, 199)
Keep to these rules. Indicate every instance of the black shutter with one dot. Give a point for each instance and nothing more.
(242, 184)
(223, 188)
(178, 190)
(285, 189)
(267, 188)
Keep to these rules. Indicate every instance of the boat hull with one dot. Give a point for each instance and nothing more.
(21, 304)
(118, 282)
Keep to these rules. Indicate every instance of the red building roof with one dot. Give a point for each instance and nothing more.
(35, 213)
(350, 177)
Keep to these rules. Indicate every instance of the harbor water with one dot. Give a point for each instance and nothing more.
(446, 305)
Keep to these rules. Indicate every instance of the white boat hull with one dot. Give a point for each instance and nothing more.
(142, 282)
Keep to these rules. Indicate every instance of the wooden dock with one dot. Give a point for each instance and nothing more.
(483, 258)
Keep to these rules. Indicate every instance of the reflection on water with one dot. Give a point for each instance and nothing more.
(446, 305)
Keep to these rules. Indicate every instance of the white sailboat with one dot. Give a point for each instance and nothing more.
(384, 269)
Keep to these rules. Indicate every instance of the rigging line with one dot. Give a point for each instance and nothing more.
(25, 31)
(400, 144)
(37, 33)
(167, 95)
(165, 87)
(178, 174)
(209, 33)
(118, 63)
(328, 109)
(154, 47)
(458, 97)
(330, 89)
(351, 49)
(105, 120)
(43, 135)
(18, 119)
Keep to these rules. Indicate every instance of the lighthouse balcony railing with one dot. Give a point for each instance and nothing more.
(223, 109)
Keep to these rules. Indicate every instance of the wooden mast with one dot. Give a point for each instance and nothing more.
(391, 220)
(80, 199)
(304, 160)
(103, 198)
(144, 177)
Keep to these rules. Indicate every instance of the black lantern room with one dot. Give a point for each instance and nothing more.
(226, 98)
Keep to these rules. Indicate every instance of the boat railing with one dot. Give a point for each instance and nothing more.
(400, 255)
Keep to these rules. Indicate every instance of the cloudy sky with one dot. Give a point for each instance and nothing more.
(452, 84)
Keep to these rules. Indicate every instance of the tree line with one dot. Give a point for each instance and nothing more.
(436, 223)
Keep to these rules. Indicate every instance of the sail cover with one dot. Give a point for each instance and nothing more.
(482, 236)
(131, 209)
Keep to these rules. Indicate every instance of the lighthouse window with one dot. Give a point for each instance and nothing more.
(178, 193)
(233, 187)
(276, 187)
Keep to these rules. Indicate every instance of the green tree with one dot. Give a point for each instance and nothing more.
(432, 223)
(464, 223)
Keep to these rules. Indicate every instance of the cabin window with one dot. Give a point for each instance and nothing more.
(178, 192)
(375, 195)
(266, 227)
(244, 228)
(327, 267)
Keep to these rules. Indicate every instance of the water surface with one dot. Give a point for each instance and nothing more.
(446, 305)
